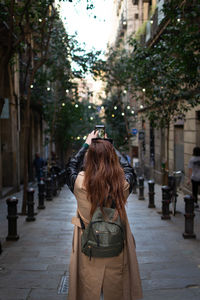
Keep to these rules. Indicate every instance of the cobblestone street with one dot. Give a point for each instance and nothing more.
(36, 266)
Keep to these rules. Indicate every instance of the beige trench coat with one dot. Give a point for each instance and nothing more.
(117, 276)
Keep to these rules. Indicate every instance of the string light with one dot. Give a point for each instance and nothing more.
(102, 107)
(84, 138)
(76, 105)
(178, 20)
(40, 20)
(115, 107)
(31, 86)
(143, 90)
(141, 106)
(78, 137)
(67, 91)
(63, 104)
(89, 106)
(113, 115)
(151, 21)
(125, 92)
(132, 112)
(91, 118)
(128, 107)
(123, 114)
(48, 89)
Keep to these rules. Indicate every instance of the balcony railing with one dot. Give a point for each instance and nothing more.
(153, 24)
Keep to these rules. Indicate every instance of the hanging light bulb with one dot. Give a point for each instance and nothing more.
(48, 88)
(128, 107)
(144, 90)
(31, 86)
(78, 137)
(132, 112)
(89, 106)
(123, 114)
(113, 115)
(141, 106)
(76, 105)
(63, 104)
(91, 118)
(115, 107)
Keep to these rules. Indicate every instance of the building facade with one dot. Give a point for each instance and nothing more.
(12, 124)
(144, 19)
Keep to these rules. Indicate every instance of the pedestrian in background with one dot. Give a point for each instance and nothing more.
(194, 173)
(38, 164)
(105, 181)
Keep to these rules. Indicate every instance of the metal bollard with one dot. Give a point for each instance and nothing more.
(165, 202)
(41, 190)
(12, 219)
(49, 189)
(189, 218)
(55, 185)
(30, 205)
(141, 188)
(151, 184)
(59, 181)
(65, 176)
(134, 190)
(62, 177)
(54, 190)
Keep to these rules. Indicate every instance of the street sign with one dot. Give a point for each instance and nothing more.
(134, 131)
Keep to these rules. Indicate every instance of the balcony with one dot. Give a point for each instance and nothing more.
(154, 24)
(161, 16)
(122, 26)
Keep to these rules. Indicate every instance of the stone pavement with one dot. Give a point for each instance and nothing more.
(36, 266)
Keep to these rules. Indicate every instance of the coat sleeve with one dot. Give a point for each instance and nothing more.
(128, 170)
(73, 167)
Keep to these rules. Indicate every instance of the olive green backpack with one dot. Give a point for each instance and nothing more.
(105, 234)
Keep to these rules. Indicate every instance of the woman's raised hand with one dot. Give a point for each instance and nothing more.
(92, 135)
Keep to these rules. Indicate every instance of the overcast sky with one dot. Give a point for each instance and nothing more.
(92, 26)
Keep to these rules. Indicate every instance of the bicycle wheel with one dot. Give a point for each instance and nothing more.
(173, 202)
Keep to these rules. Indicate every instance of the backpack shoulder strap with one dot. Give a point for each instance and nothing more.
(83, 220)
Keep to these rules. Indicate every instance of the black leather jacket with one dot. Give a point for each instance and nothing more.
(75, 165)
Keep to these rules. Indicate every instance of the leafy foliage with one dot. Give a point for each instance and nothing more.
(56, 89)
(165, 76)
(89, 3)
(74, 122)
(115, 121)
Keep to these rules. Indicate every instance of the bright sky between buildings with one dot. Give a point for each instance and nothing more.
(93, 27)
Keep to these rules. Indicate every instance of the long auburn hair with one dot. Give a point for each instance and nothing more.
(104, 177)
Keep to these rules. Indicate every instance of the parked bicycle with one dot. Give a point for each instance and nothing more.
(174, 181)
